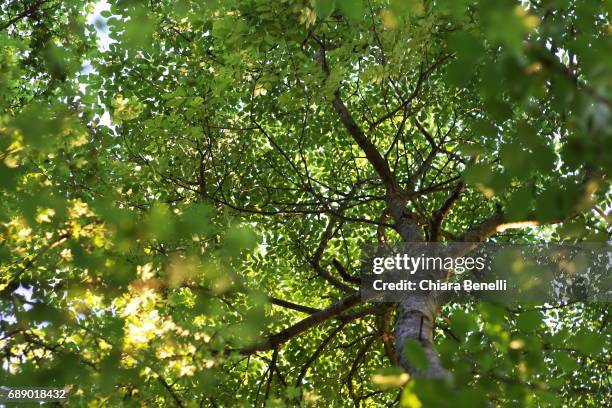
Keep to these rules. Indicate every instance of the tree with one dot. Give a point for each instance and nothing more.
(202, 248)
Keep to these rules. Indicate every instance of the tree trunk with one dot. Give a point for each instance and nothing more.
(415, 314)
(415, 319)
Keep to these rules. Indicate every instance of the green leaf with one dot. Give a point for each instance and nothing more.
(407, 7)
(471, 149)
(478, 173)
(160, 222)
(466, 45)
(589, 342)
(8, 177)
(486, 129)
(353, 9)
(413, 350)
(39, 126)
(529, 321)
(239, 239)
(565, 361)
(324, 8)
(474, 398)
(515, 159)
(499, 110)
(459, 72)
(196, 219)
(520, 204)
(556, 202)
(462, 323)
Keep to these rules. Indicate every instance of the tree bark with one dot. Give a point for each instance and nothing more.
(415, 320)
(415, 314)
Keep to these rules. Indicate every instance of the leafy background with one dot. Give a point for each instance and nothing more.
(183, 202)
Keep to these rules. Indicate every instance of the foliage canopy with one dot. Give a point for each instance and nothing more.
(186, 186)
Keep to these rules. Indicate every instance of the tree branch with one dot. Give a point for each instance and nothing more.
(436, 220)
(372, 154)
(317, 353)
(344, 274)
(311, 321)
(358, 360)
(26, 13)
(292, 306)
(423, 75)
